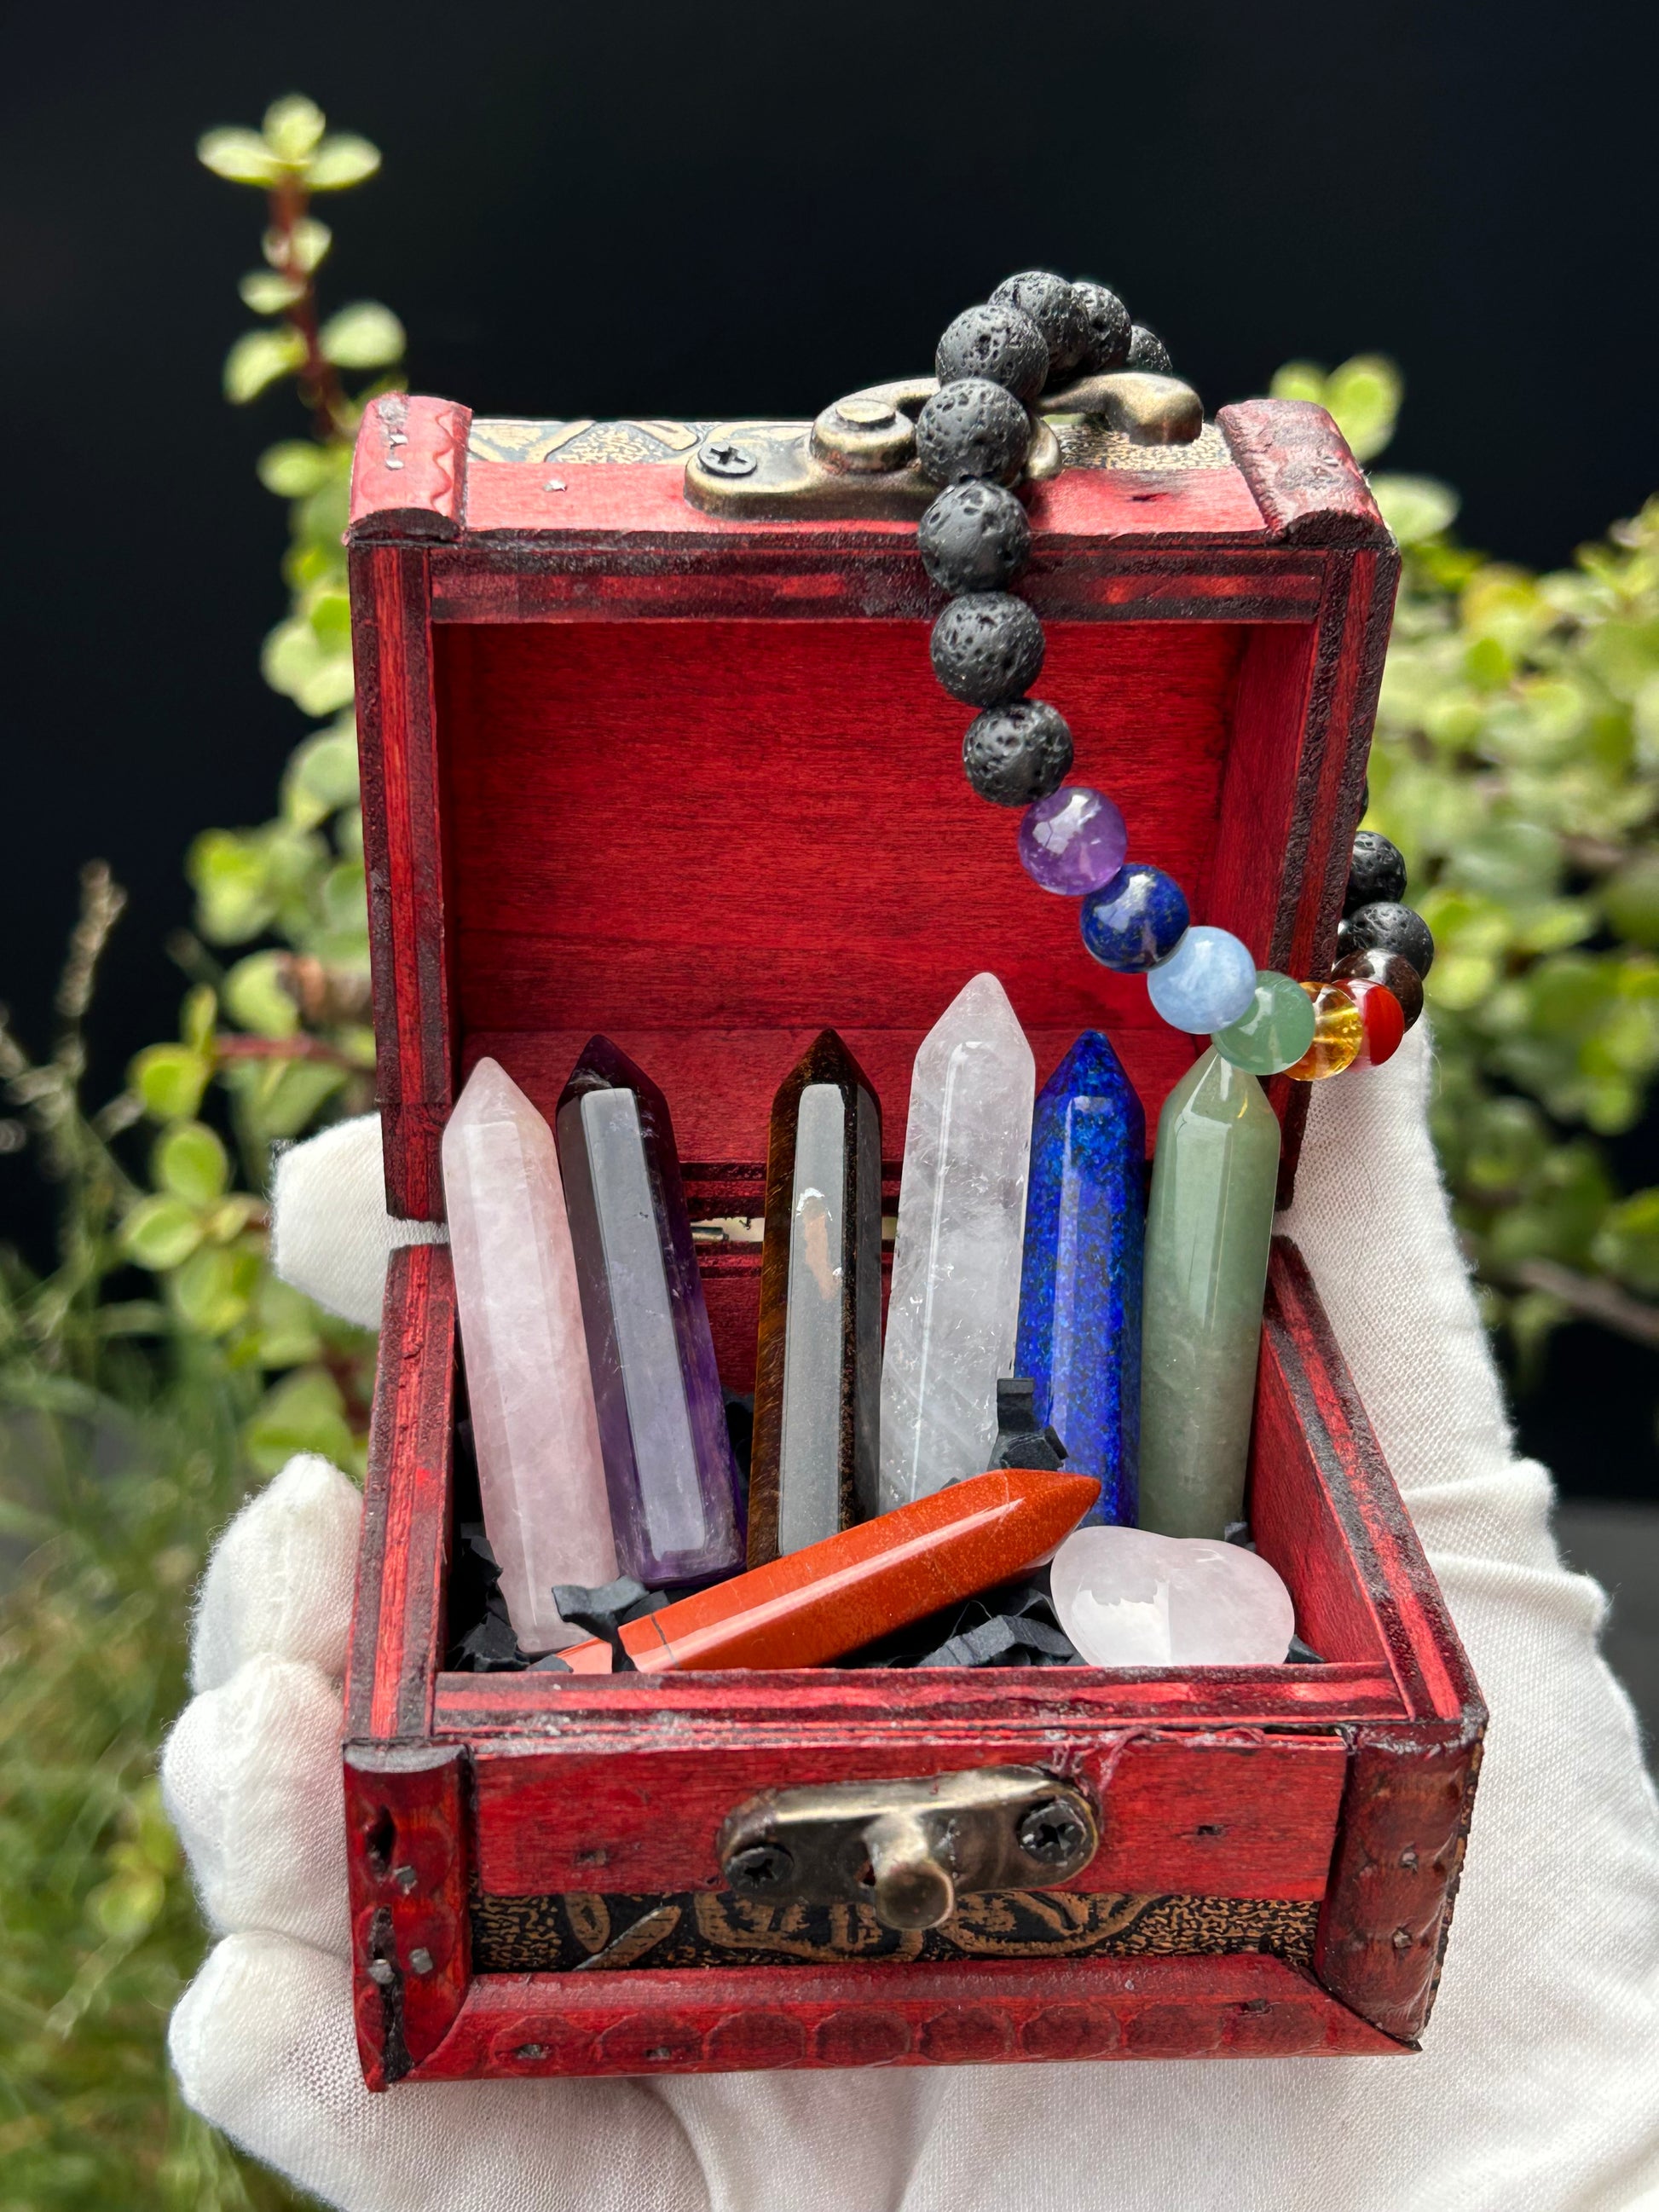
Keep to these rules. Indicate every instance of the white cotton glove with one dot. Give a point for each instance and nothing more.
(1538, 2087)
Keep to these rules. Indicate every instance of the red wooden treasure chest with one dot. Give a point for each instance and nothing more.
(685, 778)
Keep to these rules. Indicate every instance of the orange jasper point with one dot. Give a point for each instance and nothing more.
(830, 1597)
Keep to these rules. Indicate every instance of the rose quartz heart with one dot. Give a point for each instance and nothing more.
(1129, 1598)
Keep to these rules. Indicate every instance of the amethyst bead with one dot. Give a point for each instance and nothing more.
(1072, 842)
(1136, 919)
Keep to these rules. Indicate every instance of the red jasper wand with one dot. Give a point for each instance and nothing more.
(830, 1597)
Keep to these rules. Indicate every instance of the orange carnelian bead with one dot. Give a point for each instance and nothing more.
(1382, 1018)
(1339, 1033)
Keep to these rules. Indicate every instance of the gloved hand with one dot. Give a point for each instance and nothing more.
(1538, 2087)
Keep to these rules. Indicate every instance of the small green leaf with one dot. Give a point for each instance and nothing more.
(258, 360)
(1630, 900)
(125, 1909)
(199, 1016)
(231, 878)
(362, 336)
(191, 1162)
(240, 156)
(264, 292)
(1364, 394)
(341, 161)
(225, 1222)
(254, 994)
(284, 1097)
(160, 1232)
(169, 1079)
(285, 1325)
(322, 775)
(345, 895)
(305, 1413)
(315, 674)
(301, 249)
(1415, 508)
(212, 1291)
(295, 469)
(1627, 1244)
(1300, 379)
(292, 128)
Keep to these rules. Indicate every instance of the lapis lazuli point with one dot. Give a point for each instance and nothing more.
(1080, 1300)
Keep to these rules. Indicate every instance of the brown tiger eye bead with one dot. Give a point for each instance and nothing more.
(1392, 970)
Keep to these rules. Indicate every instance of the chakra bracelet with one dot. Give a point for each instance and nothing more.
(972, 439)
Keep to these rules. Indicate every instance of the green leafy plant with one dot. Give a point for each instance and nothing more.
(1517, 765)
(159, 1368)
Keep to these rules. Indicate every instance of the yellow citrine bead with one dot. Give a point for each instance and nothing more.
(1339, 1033)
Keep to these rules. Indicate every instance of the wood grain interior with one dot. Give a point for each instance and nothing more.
(711, 840)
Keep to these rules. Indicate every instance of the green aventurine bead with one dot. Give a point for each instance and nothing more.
(1275, 1032)
(1208, 1231)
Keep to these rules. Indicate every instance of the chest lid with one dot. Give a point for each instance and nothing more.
(688, 780)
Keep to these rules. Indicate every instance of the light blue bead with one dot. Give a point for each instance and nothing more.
(1208, 981)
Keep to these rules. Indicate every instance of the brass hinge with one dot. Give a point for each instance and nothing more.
(859, 459)
(906, 1849)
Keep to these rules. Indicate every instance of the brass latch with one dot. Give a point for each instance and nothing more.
(906, 1849)
(859, 459)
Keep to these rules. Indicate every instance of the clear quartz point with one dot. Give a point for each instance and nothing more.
(954, 1301)
(534, 1427)
(814, 1467)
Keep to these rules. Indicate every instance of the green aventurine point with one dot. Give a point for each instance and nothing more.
(1208, 1225)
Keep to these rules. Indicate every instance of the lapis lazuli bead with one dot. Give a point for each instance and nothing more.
(1208, 981)
(1136, 919)
(1079, 1293)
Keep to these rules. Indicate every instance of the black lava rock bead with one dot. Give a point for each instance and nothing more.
(1385, 926)
(1147, 351)
(998, 342)
(1016, 754)
(974, 538)
(987, 647)
(1377, 871)
(1106, 321)
(972, 428)
(1387, 969)
(1051, 305)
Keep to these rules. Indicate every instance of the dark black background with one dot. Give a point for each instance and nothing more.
(613, 209)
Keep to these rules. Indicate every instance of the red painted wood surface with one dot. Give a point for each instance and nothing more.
(409, 471)
(406, 1864)
(1313, 1429)
(1387, 1912)
(1213, 1813)
(409, 945)
(588, 898)
(824, 1704)
(510, 503)
(1309, 486)
(977, 2012)
(398, 1622)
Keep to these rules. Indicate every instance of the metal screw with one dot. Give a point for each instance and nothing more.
(420, 1960)
(1052, 1832)
(383, 1972)
(405, 1876)
(722, 458)
(763, 1866)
